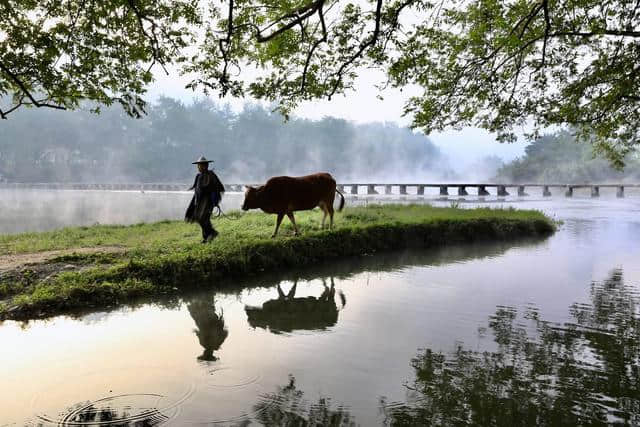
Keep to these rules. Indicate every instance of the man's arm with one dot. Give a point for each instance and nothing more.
(194, 184)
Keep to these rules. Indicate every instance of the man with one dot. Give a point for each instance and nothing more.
(208, 193)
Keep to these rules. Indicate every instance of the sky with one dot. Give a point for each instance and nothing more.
(362, 105)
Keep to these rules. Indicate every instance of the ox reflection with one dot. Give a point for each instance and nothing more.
(288, 313)
(210, 327)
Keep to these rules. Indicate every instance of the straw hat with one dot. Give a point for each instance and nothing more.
(202, 159)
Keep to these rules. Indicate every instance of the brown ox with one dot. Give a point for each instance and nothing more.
(285, 194)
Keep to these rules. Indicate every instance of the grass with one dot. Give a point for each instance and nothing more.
(166, 257)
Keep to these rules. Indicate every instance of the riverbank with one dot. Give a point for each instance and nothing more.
(102, 266)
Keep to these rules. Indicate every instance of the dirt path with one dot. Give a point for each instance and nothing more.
(13, 262)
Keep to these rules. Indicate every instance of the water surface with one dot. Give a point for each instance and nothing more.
(537, 332)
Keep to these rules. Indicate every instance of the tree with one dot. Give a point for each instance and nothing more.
(496, 64)
(557, 157)
(58, 53)
(248, 146)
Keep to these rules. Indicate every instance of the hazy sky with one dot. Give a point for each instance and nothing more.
(362, 105)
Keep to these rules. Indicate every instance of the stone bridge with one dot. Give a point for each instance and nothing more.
(501, 190)
(461, 189)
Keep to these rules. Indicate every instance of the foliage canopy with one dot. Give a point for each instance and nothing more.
(491, 63)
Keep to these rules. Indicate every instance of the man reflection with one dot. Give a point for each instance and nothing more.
(210, 328)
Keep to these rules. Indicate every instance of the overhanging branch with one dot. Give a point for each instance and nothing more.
(364, 46)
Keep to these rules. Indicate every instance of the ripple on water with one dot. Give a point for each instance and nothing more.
(233, 389)
(127, 409)
(121, 409)
(227, 377)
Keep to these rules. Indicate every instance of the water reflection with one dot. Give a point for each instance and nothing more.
(288, 313)
(210, 327)
(585, 372)
(115, 411)
(287, 407)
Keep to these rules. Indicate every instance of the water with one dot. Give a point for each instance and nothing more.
(533, 332)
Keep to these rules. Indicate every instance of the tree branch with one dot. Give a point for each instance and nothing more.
(547, 28)
(307, 11)
(605, 32)
(313, 48)
(224, 46)
(370, 42)
(153, 38)
(26, 93)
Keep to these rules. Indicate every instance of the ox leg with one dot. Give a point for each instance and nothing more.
(293, 221)
(330, 209)
(325, 293)
(278, 221)
(292, 292)
(324, 210)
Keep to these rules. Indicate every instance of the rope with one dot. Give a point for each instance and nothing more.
(221, 214)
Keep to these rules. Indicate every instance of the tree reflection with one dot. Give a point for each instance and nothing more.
(287, 407)
(582, 373)
(211, 330)
(96, 415)
(288, 313)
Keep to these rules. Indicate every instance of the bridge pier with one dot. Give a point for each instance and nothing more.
(420, 190)
(620, 192)
(387, 189)
(521, 192)
(502, 191)
(371, 189)
(569, 192)
(545, 191)
(444, 190)
(482, 191)
(403, 189)
(340, 188)
(595, 191)
(354, 189)
(462, 191)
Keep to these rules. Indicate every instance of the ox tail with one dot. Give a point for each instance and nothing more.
(341, 200)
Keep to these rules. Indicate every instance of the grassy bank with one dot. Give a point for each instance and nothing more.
(166, 257)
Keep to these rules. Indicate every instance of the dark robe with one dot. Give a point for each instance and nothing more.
(208, 192)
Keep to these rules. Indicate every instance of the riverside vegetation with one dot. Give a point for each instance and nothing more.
(129, 262)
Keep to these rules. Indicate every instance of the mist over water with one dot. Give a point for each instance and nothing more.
(42, 210)
(557, 316)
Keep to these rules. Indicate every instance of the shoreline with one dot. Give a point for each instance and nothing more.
(164, 258)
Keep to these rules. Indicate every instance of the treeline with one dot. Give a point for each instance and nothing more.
(559, 158)
(249, 146)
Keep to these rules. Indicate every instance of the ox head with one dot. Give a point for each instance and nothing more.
(250, 198)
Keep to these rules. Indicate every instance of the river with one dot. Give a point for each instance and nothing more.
(532, 332)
